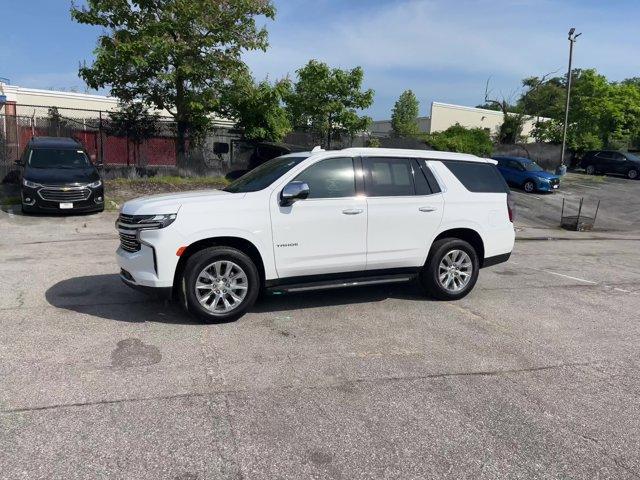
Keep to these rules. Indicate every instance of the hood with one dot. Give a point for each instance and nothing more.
(545, 175)
(62, 176)
(171, 202)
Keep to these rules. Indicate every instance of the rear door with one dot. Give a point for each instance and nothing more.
(404, 212)
(603, 162)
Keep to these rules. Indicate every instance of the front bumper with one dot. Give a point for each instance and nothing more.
(154, 264)
(33, 200)
(548, 186)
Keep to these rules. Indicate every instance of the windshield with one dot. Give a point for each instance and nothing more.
(633, 157)
(532, 167)
(264, 175)
(58, 158)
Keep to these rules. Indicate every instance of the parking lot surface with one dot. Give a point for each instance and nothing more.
(534, 375)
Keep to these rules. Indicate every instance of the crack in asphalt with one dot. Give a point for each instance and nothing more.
(225, 392)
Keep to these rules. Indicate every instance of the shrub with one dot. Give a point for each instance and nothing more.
(457, 138)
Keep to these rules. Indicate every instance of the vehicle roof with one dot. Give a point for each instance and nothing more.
(54, 142)
(403, 152)
(509, 157)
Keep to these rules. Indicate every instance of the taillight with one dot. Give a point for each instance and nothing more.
(511, 207)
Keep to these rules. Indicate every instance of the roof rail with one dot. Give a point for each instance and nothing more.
(317, 148)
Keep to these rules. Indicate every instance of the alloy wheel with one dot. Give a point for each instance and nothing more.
(221, 286)
(454, 271)
(633, 174)
(529, 187)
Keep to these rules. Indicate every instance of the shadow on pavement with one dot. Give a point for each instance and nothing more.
(105, 296)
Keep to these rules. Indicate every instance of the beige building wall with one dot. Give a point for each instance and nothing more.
(27, 98)
(445, 115)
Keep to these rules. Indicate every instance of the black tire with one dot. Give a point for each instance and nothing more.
(429, 277)
(590, 170)
(197, 263)
(632, 174)
(529, 186)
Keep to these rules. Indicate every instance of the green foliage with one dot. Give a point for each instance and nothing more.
(133, 121)
(373, 142)
(460, 139)
(326, 101)
(259, 109)
(404, 118)
(510, 131)
(603, 114)
(490, 106)
(177, 55)
(542, 98)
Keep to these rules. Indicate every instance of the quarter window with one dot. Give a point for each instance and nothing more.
(332, 178)
(388, 177)
(478, 176)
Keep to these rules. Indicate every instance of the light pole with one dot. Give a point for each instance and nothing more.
(572, 39)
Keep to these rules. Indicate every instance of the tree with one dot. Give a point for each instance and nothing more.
(460, 139)
(133, 122)
(326, 100)
(404, 118)
(259, 109)
(176, 55)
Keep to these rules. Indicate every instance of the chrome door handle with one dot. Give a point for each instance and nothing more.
(352, 211)
(427, 209)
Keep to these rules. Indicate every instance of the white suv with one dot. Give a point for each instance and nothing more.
(318, 220)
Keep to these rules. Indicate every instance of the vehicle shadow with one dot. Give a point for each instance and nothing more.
(105, 296)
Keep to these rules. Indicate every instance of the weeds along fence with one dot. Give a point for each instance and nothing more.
(103, 142)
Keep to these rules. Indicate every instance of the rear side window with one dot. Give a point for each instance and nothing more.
(388, 177)
(332, 178)
(477, 177)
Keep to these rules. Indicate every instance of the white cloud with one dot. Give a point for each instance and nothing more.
(446, 46)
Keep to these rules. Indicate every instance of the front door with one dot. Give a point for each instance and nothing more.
(325, 233)
(404, 214)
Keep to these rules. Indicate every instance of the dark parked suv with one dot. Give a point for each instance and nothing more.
(609, 161)
(57, 176)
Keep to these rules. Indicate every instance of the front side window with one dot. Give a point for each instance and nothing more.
(261, 177)
(331, 178)
(532, 167)
(58, 158)
(388, 177)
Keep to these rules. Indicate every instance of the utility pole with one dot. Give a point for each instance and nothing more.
(572, 39)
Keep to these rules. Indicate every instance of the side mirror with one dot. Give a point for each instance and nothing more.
(292, 192)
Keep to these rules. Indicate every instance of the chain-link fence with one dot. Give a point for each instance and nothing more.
(109, 142)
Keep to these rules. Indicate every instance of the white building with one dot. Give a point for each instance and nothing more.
(445, 115)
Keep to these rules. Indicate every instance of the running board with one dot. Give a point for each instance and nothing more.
(341, 283)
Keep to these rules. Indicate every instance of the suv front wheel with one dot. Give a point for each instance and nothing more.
(451, 271)
(219, 284)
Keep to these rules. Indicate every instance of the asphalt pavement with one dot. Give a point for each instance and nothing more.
(534, 375)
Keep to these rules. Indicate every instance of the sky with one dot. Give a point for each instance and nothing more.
(443, 50)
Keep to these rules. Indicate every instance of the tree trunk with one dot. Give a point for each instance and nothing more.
(181, 144)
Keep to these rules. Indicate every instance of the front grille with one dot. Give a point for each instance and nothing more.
(64, 194)
(129, 242)
(128, 227)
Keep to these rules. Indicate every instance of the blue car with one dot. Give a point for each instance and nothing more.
(527, 174)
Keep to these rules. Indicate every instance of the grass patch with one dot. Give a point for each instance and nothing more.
(172, 180)
(10, 201)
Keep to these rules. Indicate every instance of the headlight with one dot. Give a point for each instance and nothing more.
(30, 184)
(95, 184)
(162, 220)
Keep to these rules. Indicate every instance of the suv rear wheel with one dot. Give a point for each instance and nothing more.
(219, 284)
(632, 174)
(590, 170)
(451, 271)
